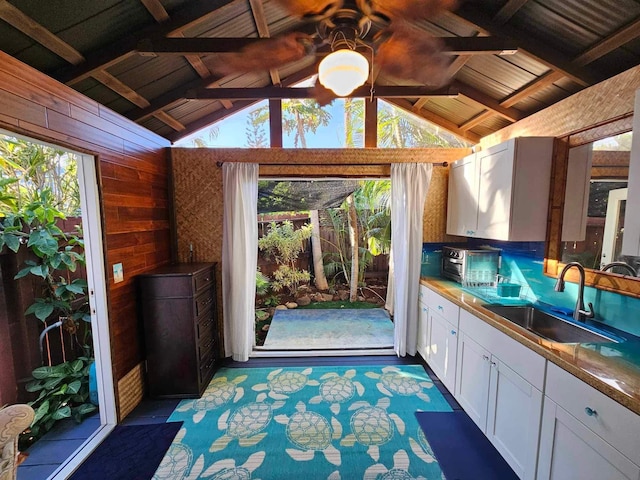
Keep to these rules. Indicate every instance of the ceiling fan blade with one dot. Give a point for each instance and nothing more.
(265, 54)
(410, 10)
(311, 9)
(323, 95)
(413, 54)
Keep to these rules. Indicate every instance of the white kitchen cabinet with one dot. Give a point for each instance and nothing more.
(511, 196)
(442, 351)
(585, 434)
(442, 337)
(463, 193)
(423, 322)
(498, 398)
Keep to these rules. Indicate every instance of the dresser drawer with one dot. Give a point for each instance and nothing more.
(203, 302)
(443, 307)
(205, 324)
(614, 423)
(206, 368)
(203, 280)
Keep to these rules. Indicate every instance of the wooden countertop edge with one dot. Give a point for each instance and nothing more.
(535, 343)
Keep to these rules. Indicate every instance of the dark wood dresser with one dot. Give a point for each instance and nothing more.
(178, 307)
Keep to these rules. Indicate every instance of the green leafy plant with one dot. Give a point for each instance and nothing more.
(262, 283)
(284, 244)
(63, 392)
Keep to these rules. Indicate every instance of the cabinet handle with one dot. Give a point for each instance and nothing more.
(440, 307)
(453, 332)
(493, 364)
(591, 412)
(485, 358)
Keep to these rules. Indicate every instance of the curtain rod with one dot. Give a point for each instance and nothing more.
(435, 164)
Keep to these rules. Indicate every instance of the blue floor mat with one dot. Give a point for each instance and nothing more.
(129, 452)
(462, 450)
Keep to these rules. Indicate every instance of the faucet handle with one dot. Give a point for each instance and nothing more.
(588, 313)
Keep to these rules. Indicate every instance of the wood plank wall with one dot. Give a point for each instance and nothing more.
(133, 178)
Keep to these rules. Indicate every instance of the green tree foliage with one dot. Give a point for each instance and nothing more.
(255, 129)
(284, 244)
(27, 169)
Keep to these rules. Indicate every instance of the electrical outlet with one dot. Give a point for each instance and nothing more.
(118, 273)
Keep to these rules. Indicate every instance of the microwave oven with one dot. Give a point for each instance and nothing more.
(477, 267)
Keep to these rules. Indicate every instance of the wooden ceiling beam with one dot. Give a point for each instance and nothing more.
(623, 36)
(193, 12)
(169, 98)
(259, 18)
(508, 10)
(285, 93)
(120, 88)
(552, 59)
(38, 33)
(487, 102)
(435, 119)
(156, 9)
(477, 120)
(169, 120)
(202, 45)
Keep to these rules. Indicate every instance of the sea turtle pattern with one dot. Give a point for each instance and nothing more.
(282, 384)
(310, 432)
(177, 462)
(218, 393)
(372, 426)
(393, 381)
(336, 389)
(227, 469)
(399, 470)
(246, 423)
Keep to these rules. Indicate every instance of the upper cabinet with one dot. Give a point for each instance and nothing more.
(502, 193)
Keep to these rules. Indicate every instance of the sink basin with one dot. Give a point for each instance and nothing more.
(547, 326)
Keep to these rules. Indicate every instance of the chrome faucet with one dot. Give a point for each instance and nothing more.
(579, 313)
(624, 265)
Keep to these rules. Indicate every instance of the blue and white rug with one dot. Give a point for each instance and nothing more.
(329, 329)
(306, 423)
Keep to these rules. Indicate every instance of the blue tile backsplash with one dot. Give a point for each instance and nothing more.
(522, 263)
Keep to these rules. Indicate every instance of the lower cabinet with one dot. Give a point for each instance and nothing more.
(423, 329)
(504, 405)
(442, 350)
(585, 434)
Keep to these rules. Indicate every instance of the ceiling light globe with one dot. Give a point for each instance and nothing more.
(343, 71)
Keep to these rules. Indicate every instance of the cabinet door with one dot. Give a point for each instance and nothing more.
(442, 351)
(513, 420)
(462, 211)
(495, 171)
(472, 385)
(568, 449)
(423, 329)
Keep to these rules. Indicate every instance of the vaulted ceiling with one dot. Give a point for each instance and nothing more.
(150, 60)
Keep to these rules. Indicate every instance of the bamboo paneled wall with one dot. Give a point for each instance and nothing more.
(133, 181)
(197, 185)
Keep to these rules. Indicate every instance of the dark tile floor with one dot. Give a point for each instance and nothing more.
(47, 454)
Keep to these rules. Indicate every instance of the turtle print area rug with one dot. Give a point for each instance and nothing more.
(306, 423)
(329, 329)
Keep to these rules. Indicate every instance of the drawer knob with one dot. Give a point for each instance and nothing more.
(453, 332)
(440, 307)
(485, 358)
(591, 412)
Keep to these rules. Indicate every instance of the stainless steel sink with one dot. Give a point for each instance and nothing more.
(547, 326)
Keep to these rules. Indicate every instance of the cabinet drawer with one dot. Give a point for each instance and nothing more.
(203, 280)
(203, 302)
(206, 367)
(206, 347)
(614, 423)
(525, 362)
(443, 307)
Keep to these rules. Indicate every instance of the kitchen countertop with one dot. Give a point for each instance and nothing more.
(612, 368)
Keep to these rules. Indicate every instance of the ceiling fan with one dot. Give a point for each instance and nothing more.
(370, 32)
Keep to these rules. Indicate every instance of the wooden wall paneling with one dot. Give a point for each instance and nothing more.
(133, 179)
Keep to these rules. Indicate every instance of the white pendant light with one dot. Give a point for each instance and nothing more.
(343, 71)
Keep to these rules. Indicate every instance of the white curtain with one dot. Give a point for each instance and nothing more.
(409, 186)
(239, 257)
